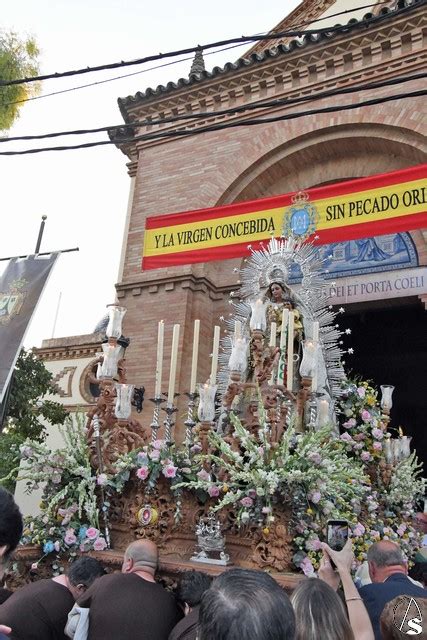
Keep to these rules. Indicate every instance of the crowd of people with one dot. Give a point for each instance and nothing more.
(239, 604)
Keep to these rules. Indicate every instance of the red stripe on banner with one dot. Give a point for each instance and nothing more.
(326, 236)
(329, 191)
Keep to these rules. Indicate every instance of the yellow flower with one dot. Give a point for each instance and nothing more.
(370, 400)
(266, 531)
(225, 488)
(309, 511)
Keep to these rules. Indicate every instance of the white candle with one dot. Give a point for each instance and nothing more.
(290, 374)
(195, 356)
(273, 329)
(215, 351)
(237, 329)
(174, 359)
(285, 315)
(315, 332)
(323, 415)
(159, 361)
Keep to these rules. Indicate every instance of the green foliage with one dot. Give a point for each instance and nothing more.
(18, 59)
(26, 410)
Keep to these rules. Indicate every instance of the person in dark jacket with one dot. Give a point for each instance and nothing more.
(11, 526)
(192, 586)
(388, 571)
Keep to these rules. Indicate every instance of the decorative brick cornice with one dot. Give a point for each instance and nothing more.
(70, 347)
(157, 284)
(380, 50)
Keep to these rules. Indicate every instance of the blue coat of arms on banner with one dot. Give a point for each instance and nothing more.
(301, 217)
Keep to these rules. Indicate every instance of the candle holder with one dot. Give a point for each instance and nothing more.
(114, 327)
(112, 353)
(155, 424)
(190, 423)
(104, 508)
(123, 407)
(169, 423)
(206, 409)
(312, 412)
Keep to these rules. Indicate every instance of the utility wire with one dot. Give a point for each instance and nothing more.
(167, 64)
(277, 102)
(296, 33)
(127, 75)
(220, 127)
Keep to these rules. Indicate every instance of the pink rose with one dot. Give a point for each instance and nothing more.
(359, 530)
(99, 544)
(70, 538)
(316, 496)
(169, 471)
(366, 456)
(154, 454)
(196, 448)
(361, 392)
(307, 567)
(143, 473)
(346, 437)
(366, 416)
(266, 510)
(246, 502)
(92, 533)
(377, 446)
(159, 444)
(378, 434)
(203, 475)
(102, 479)
(316, 458)
(213, 491)
(313, 545)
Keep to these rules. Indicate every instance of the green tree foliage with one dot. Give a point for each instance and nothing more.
(18, 59)
(28, 411)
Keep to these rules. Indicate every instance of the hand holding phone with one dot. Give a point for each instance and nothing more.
(337, 534)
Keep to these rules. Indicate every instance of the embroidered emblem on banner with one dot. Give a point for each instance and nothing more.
(301, 217)
(12, 301)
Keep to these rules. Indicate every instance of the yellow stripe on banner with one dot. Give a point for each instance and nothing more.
(348, 209)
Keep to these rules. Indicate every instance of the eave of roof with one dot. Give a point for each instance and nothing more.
(368, 20)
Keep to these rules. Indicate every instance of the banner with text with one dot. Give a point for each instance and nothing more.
(376, 205)
(21, 286)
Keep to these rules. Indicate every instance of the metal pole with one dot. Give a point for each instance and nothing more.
(39, 239)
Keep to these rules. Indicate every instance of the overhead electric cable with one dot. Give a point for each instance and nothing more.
(220, 127)
(277, 102)
(126, 75)
(166, 64)
(291, 33)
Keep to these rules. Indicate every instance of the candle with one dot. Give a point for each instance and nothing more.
(273, 329)
(215, 351)
(195, 356)
(285, 315)
(174, 359)
(159, 361)
(388, 453)
(237, 329)
(323, 414)
(315, 331)
(290, 375)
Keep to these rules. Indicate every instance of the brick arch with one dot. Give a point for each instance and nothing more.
(326, 155)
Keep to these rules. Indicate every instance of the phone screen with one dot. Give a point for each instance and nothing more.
(337, 534)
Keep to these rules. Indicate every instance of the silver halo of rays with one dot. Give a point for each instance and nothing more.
(273, 263)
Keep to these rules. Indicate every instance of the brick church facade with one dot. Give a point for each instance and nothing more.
(170, 175)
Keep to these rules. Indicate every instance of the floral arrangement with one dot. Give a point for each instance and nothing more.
(68, 521)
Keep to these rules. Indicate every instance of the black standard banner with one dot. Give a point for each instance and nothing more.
(21, 287)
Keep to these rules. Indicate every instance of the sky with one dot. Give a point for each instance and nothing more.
(84, 193)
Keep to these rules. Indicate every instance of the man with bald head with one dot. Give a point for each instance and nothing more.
(388, 571)
(131, 604)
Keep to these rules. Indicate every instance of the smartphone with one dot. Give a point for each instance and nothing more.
(337, 534)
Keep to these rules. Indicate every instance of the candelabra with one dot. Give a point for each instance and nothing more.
(155, 423)
(190, 423)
